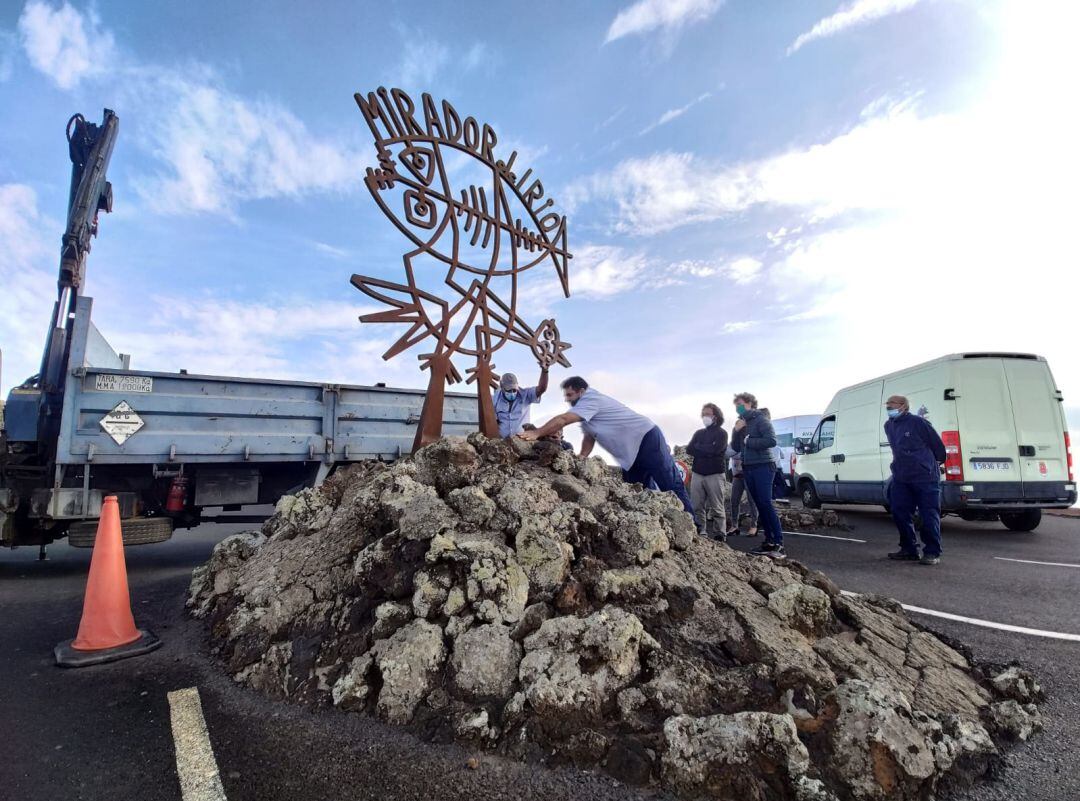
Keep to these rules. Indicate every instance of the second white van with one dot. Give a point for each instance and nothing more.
(1000, 416)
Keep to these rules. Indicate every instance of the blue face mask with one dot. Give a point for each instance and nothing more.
(740, 410)
(510, 396)
(893, 413)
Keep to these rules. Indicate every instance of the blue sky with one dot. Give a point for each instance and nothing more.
(782, 198)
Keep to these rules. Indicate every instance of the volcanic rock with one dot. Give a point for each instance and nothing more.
(529, 602)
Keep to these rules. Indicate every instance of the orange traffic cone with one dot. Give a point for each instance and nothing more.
(107, 630)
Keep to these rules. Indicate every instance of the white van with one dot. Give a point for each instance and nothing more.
(789, 429)
(1000, 416)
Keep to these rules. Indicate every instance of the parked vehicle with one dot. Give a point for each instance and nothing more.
(169, 445)
(1000, 416)
(789, 429)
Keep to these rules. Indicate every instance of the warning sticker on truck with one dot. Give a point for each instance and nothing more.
(107, 382)
(121, 422)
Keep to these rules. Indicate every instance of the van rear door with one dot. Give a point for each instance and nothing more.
(984, 410)
(1040, 429)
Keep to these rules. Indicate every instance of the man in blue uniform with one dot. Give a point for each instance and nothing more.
(635, 441)
(512, 402)
(917, 451)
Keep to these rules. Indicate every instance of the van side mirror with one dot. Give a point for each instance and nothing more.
(801, 446)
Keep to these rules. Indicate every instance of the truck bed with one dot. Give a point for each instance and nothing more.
(214, 419)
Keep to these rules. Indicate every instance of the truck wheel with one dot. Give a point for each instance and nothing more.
(135, 531)
(1027, 520)
(810, 499)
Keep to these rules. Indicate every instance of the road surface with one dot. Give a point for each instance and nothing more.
(106, 733)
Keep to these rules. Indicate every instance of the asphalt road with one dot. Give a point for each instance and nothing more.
(104, 733)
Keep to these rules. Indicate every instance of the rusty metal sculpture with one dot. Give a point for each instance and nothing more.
(489, 248)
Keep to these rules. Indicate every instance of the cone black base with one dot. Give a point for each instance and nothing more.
(66, 656)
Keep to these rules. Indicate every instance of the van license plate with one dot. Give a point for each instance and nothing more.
(991, 465)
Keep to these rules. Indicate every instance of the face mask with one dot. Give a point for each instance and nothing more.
(510, 396)
(893, 413)
(706, 421)
(740, 409)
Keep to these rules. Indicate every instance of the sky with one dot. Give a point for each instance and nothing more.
(783, 198)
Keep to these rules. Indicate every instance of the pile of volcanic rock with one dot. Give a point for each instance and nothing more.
(517, 598)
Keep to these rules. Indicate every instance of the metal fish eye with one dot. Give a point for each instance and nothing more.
(420, 161)
(419, 210)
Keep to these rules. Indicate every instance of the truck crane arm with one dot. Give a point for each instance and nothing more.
(90, 147)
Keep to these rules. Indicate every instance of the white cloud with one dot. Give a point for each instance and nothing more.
(600, 271)
(745, 270)
(204, 333)
(667, 15)
(9, 45)
(883, 163)
(295, 338)
(218, 149)
(422, 59)
(674, 113)
(741, 270)
(29, 286)
(215, 148)
(614, 116)
(860, 12)
(695, 268)
(330, 250)
(597, 272)
(736, 327)
(64, 44)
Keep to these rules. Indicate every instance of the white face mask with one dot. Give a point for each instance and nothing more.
(706, 421)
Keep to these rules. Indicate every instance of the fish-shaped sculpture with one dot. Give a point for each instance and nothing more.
(472, 242)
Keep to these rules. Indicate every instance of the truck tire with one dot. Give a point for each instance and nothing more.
(1027, 520)
(808, 494)
(135, 531)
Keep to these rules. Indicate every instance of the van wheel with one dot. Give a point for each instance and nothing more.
(134, 530)
(810, 499)
(1027, 520)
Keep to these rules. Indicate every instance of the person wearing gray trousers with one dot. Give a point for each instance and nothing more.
(738, 490)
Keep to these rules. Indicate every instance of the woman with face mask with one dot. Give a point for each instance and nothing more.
(709, 447)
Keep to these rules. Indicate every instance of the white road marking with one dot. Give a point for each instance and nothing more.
(1031, 562)
(821, 536)
(195, 763)
(989, 624)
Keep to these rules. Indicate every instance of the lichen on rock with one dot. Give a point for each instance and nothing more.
(520, 599)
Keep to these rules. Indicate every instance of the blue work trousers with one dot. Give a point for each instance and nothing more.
(654, 463)
(925, 496)
(759, 483)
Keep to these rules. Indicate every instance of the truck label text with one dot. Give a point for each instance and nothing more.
(106, 382)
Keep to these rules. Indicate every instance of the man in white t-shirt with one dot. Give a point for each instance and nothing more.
(635, 441)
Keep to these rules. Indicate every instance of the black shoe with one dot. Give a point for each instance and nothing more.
(769, 549)
(905, 556)
(929, 560)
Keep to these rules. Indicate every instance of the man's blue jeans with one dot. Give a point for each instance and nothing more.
(759, 483)
(904, 498)
(655, 463)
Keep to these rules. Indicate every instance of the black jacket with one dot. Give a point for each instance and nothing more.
(709, 449)
(759, 439)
